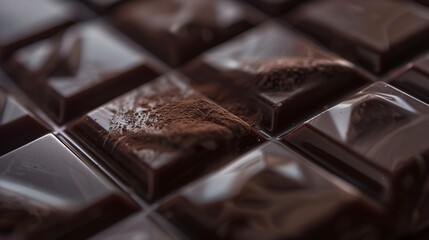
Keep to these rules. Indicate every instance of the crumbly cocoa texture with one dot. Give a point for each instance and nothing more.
(288, 74)
(250, 78)
(174, 121)
(228, 99)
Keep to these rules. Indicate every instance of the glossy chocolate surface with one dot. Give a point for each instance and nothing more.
(377, 35)
(137, 227)
(376, 139)
(189, 149)
(89, 59)
(164, 134)
(17, 127)
(177, 30)
(47, 192)
(415, 80)
(22, 22)
(271, 193)
(281, 79)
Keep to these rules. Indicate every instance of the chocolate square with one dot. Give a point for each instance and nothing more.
(376, 139)
(23, 22)
(377, 35)
(47, 192)
(278, 80)
(17, 126)
(272, 193)
(80, 69)
(178, 30)
(415, 80)
(163, 134)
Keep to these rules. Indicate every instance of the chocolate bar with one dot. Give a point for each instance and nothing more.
(88, 59)
(376, 139)
(49, 194)
(219, 119)
(163, 135)
(281, 79)
(415, 79)
(271, 193)
(378, 35)
(15, 119)
(178, 30)
(23, 23)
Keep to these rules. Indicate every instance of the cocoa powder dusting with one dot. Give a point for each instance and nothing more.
(250, 78)
(288, 74)
(227, 98)
(173, 120)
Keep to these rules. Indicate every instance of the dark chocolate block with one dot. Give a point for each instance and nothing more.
(46, 192)
(378, 35)
(377, 139)
(274, 74)
(177, 30)
(137, 227)
(272, 193)
(275, 7)
(23, 22)
(17, 127)
(163, 135)
(415, 80)
(80, 69)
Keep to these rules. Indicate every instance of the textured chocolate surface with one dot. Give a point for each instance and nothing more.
(271, 193)
(86, 60)
(17, 127)
(189, 149)
(164, 134)
(22, 23)
(416, 79)
(177, 30)
(377, 35)
(377, 139)
(137, 227)
(279, 79)
(46, 191)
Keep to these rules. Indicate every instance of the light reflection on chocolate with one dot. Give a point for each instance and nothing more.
(177, 30)
(22, 23)
(377, 140)
(45, 193)
(283, 81)
(164, 134)
(377, 35)
(271, 193)
(86, 60)
(15, 119)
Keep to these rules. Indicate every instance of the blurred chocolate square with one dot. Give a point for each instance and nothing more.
(178, 30)
(23, 22)
(80, 69)
(378, 35)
